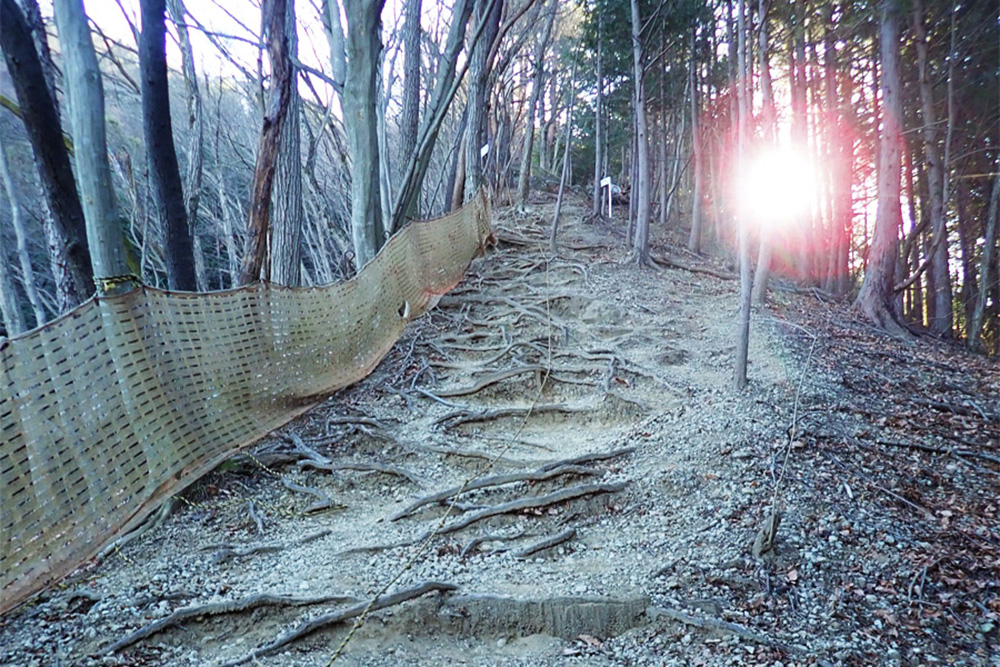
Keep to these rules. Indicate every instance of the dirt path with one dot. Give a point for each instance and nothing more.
(634, 450)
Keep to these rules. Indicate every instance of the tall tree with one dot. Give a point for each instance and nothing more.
(697, 166)
(168, 192)
(598, 116)
(411, 81)
(537, 85)
(85, 92)
(936, 178)
(769, 113)
(875, 299)
(279, 99)
(742, 137)
(363, 45)
(196, 129)
(286, 227)
(17, 220)
(488, 14)
(640, 248)
(70, 257)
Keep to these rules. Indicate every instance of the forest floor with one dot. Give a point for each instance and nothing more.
(626, 483)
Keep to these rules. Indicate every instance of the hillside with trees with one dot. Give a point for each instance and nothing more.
(725, 391)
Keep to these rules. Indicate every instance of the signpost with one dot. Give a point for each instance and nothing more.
(606, 182)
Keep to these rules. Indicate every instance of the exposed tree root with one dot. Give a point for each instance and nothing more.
(467, 416)
(219, 608)
(674, 264)
(495, 480)
(472, 454)
(384, 468)
(489, 380)
(323, 502)
(489, 537)
(589, 458)
(342, 615)
(719, 626)
(521, 504)
(547, 543)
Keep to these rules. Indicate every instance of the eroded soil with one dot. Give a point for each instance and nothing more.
(607, 389)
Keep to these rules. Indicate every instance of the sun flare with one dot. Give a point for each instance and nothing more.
(777, 187)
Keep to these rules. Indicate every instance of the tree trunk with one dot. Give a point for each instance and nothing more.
(759, 294)
(279, 99)
(640, 249)
(941, 297)
(196, 127)
(363, 45)
(479, 98)
(746, 275)
(694, 241)
(27, 274)
(566, 169)
(85, 93)
(168, 193)
(537, 85)
(286, 200)
(411, 82)
(69, 254)
(985, 279)
(875, 297)
(598, 121)
(10, 312)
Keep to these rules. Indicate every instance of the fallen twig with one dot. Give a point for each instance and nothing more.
(674, 264)
(219, 608)
(495, 480)
(343, 615)
(547, 543)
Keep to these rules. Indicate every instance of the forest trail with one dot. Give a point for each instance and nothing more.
(634, 454)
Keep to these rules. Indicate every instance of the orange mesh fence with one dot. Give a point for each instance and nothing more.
(126, 400)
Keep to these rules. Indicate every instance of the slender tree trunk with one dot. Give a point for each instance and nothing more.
(985, 279)
(196, 128)
(566, 168)
(479, 98)
(158, 130)
(27, 274)
(279, 99)
(364, 45)
(411, 89)
(598, 120)
(537, 85)
(67, 235)
(941, 296)
(746, 275)
(640, 250)
(86, 110)
(10, 312)
(286, 200)
(876, 297)
(694, 241)
(764, 254)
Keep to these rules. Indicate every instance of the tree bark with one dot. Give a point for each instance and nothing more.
(941, 324)
(746, 275)
(363, 46)
(694, 241)
(537, 85)
(598, 120)
(10, 312)
(640, 248)
(479, 98)
(985, 279)
(279, 99)
(24, 259)
(875, 299)
(69, 253)
(157, 127)
(85, 93)
(411, 86)
(759, 294)
(286, 200)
